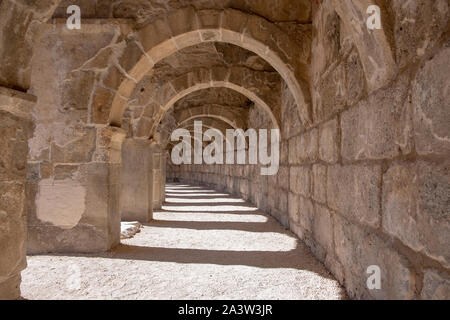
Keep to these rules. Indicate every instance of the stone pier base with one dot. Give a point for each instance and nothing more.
(15, 129)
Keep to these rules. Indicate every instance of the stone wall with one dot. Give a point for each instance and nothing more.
(364, 170)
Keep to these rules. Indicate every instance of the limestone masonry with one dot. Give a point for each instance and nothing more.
(86, 117)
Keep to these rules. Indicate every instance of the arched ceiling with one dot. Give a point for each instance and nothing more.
(281, 18)
(205, 55)
(220, 96)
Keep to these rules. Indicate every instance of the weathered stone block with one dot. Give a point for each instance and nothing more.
(233, 24)
(379, 127)
(10, 287)
(77, 90)
(182, 21)
(418, 27)
(154, 34)
(283, 177)
(319, 183)
(323, 228)
(360, 198)
(12, 238)
(358, 249)
(130, 58)
(292, 124)
(113, 78)
(340, 86)
(304, 148)
(373, 46)
(435, 286)
(101, 103)
(137, 181)
(80, 150)
(306, 214)
(416, 208)
(300, 180)
(293, 204)
(325, 46)
(14, 145)
(328, 141)
(430, 101)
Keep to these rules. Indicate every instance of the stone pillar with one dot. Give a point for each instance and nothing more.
(16, 127)
(137, 181)
(157, 177)
(163, 178)
(76, 208)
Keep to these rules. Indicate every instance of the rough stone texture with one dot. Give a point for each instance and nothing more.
(373, 46)
(363, 176)
(360, 198)
(323, 229)
(380, 127)
(319, 183)
(357, 250)
(304, 148)
(329, 142)
(416, 208)
(137, 181)
(435, 287)
(18, 42)
(418, 27)
(340, 85)
(88, 224)
(300, 181)
(15, 130)
(430, 95)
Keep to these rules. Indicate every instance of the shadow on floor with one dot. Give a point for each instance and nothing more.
(212, 225)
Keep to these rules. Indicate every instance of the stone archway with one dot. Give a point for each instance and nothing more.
(241, 80)
(187, 27)
(358, 176)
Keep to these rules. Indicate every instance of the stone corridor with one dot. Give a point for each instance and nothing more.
(353, 96)
(203, 244)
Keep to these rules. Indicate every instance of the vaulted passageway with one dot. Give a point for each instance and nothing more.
(363, 177)
(203, 244)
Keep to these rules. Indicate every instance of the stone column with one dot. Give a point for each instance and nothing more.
(16, 127)
(137, 181)
(163, 178)
(157, 177)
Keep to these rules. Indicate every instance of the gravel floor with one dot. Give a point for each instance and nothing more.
(202, 245)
